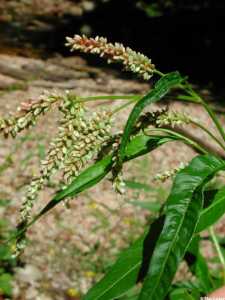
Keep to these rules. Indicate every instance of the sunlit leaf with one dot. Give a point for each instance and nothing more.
(129, 268)
(161, 88)
(213, 212)
(180, 294)
(182, 212)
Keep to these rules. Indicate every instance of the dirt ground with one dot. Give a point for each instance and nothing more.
(70, 248)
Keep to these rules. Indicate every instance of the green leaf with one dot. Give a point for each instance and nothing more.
(134, 297)
(180, 294)
(132, 294)
(203, 275)
(122, 276)
(213, 212)
(5, 284)
(161, 88)
(198, 266)
(5, 252)
(4, 202)
(129, 268)
(182, 214)
(189, 285)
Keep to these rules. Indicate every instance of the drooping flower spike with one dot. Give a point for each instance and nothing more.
(131, 60)
(27, 114)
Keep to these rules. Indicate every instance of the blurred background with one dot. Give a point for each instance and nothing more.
(184, 35)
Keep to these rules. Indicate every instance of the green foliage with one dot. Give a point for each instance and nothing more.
(140, 145)
(181, 294)
(182, 214)
(147, 269)
(198, 266)
(122, 276)
(161, 88)
(7, 262)
(213, 212)
(129, 268)
(5, 284)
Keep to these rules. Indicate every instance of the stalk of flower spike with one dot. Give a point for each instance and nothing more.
(131, 60)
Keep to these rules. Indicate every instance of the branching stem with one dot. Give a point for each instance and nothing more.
(210, 112)
(108, 97)
(209, 133)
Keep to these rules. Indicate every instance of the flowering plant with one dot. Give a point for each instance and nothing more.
(86, 150)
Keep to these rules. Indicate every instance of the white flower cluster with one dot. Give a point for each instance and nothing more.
(173, 119)
(27, 114)
(91, 137)
(119, 184)
(131, 60)
(78, 141)
(55, 156)
(168, 174)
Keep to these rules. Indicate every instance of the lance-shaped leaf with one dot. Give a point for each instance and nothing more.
(129, 268)
(181, 294)
(213, 212)
(182, 211)
(161, 88)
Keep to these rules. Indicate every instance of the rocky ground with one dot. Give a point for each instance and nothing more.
(70, 248)
(37, 13)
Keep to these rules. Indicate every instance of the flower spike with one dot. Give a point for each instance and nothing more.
(133, 61)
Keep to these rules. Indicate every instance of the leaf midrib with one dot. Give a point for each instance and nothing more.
(121, 278)
(181, 223)
(163, 266)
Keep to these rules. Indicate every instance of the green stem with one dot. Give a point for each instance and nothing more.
(108, 97)
(192, 100)
(214, 118)
(182, 137)
(187, 99)
(158, 73)
(210, 112)
(132, 98)
(116, 110)
(218, 249)
(209, 133)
